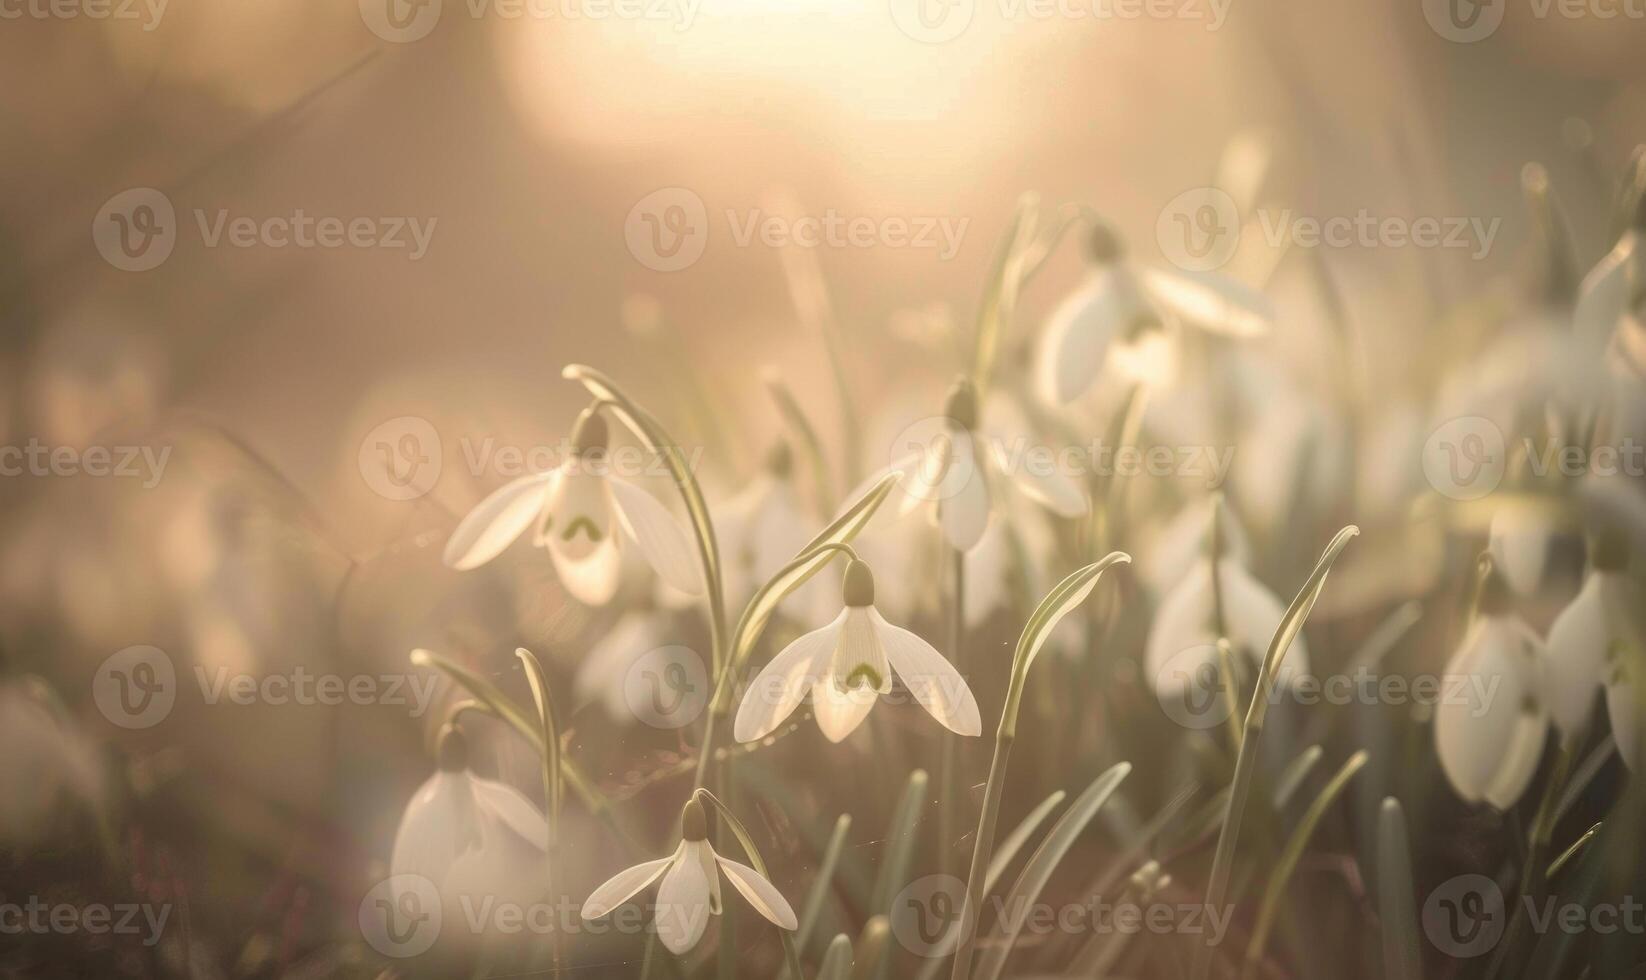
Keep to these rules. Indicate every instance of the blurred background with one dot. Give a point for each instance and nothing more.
(281, 378)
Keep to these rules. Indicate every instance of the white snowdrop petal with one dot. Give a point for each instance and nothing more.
(513, 809)
(496, 521)
(1574, 668)
(1212, 301)
(930, 678)
(986, 567)
(1485, 736)
(1622, 709)
(760, 893)
(780, 685)
(1180, 623)
(840, 712)
(1077, 334)
(431, 829)
(1038, 479)
(666, 545)
(683, 901)
(601, 674)
(624, 885)
(964, 512)
(592, 579)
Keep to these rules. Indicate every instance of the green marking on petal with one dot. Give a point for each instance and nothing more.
(589, 526)
(862, 675)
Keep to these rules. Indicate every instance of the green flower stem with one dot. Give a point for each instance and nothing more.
(550, 755)
(1058, 603)
(488, 697)
(947, 801)
(791, 956)
(1246, 762)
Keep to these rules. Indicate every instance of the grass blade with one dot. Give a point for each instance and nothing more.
(1026, 890)
(822, 882)
(837, 961)
(1402, 959)
(1062, 600)
(1291, 778)
(1246, 763)
(1287, 862)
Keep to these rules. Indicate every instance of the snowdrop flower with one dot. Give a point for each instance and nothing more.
(690, 892)
(468, 835)
(1581, 641)
(762, 528)
(1519, 540)
(578, 508)
(847, 665)
(1183, 638)
(1121, 304)
(603, 672)
(1489, 743)
(954, 472)
(1606, 293)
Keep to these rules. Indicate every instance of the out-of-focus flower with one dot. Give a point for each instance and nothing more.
(1185, 628)
(1609, 289)
(690, 892)
(602, 672)
(1580, 641)
(45, 764)
(468, 835)
(1181, 543)
(847, 665)
(761, 529)
(1489, 742)
(954, 471)
(1122, 304)
(579, 507)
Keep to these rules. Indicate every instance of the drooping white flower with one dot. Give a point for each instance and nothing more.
(1581, 641)
(1519, 540)
(1183, 638)
(468, 835)
(690, 892)
(761, 529)
(603, 672)
(45, 765)
(579, 508)
(1490, 739)
(847, 665)
(1120, 306)
(958, 470)
(1181, 543)
(1610, 287)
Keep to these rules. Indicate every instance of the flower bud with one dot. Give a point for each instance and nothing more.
(694, 825)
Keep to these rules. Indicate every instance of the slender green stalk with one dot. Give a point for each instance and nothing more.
(1246, 762)
(789, 407)
(821, 882)
(791, 956)
(1289, 856)
(1402, 958)
(652, 434)
(948, 791)
(500, 705)
(550, 755)
(1063, 599)
(1566, 856)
